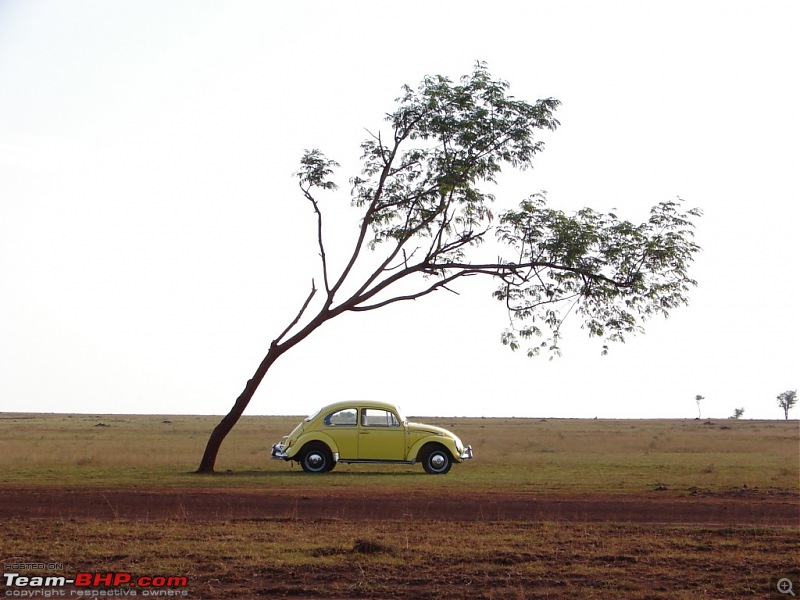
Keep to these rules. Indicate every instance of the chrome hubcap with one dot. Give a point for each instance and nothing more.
(315, 460)
(437, 461)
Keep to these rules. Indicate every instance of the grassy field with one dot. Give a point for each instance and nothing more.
(342, 558)
(555, 455)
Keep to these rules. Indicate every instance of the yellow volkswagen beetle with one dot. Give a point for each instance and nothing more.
(369, 432)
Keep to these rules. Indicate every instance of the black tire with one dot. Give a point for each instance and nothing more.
(436, 460)
(316, 458)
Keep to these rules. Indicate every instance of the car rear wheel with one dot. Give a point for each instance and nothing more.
(316, 458)
(437, 461)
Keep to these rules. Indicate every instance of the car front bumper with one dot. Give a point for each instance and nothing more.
(279, 452)
(466, 454)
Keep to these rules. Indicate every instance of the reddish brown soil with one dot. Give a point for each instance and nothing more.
(637, 562)
(739, 507)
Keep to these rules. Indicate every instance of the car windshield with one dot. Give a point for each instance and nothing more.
(400, 414)
(312, 416)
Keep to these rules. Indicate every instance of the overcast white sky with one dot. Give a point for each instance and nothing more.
(153, 241)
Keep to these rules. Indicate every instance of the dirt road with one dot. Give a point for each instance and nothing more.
(738, 507)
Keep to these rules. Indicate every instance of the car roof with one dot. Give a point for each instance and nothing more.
(358, 404)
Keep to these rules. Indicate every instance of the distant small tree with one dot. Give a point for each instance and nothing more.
(787, 400)
(698, 398)
(737, 413)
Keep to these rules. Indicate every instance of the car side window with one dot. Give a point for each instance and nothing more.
(342, 417)
(373, 417)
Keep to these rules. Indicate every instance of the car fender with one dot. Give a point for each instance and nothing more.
(413, 453)
(312, 436)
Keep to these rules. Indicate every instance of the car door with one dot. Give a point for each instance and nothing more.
(341, 427)
(380, 436)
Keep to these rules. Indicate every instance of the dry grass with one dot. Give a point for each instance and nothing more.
(562, 455)
(408, 559)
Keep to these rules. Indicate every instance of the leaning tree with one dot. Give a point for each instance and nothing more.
(425, 215)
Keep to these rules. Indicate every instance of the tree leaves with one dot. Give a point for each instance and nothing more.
(613, 274)
(315, 170)
(446, 140)
(420, 194)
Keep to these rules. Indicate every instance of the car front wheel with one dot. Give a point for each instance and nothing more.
(316, 458)
(437, 461)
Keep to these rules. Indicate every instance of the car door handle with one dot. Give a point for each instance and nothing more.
(364, 432)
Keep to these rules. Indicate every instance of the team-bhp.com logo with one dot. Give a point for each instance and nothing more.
(93, 585)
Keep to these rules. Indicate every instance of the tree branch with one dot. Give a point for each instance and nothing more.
(278, 339)
(365, 223)
(439, 284)
(322, 254)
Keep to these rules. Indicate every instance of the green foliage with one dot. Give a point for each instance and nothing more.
(614, 274)
(315, 170)
(459, 135)
(420, 194)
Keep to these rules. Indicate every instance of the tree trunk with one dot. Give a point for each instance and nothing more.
(224, 427)
(276, 349)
